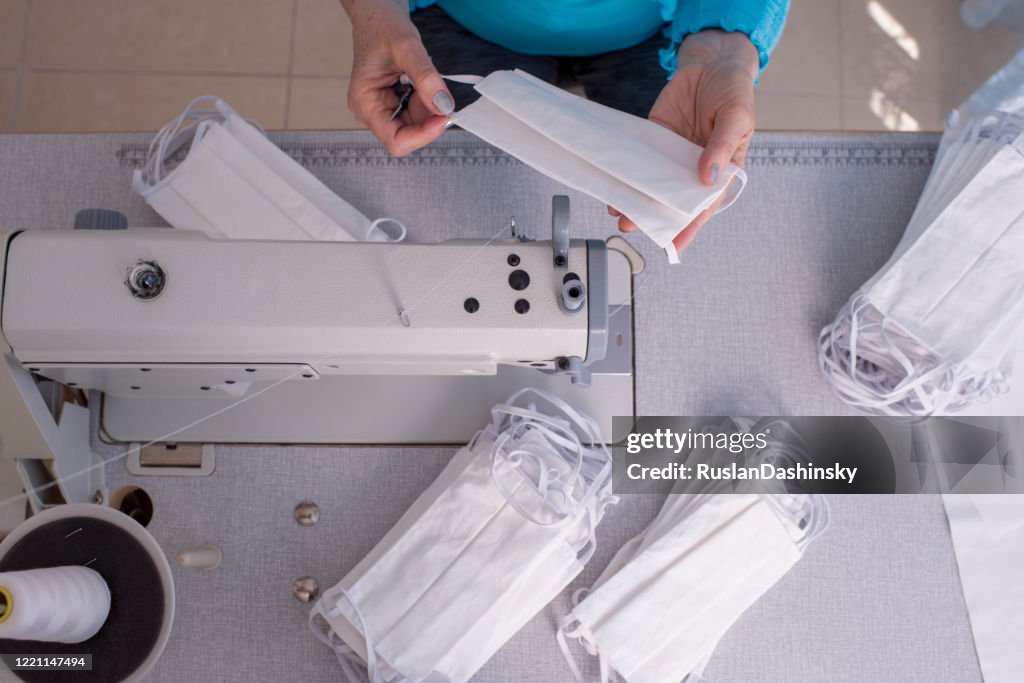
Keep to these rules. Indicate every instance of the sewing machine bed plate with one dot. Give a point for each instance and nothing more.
(729, 332)
(359, 409)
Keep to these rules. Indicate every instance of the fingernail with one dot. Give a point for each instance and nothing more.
(444, 103)
(714, 172)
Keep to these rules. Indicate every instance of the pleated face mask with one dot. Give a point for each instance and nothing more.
(632, 164)
(657, 613)
(504, 528)
(939, 325)
(236, 183)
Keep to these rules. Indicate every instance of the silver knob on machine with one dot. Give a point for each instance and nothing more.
(145, 280)
(574, 296)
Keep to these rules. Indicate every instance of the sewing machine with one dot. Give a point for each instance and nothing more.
(194, 341)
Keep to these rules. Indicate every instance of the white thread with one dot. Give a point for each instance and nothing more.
(55, 604)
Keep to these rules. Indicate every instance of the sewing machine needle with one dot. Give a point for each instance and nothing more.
(403, 103)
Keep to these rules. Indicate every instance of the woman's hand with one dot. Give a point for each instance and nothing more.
(709, 101)
(386, 46)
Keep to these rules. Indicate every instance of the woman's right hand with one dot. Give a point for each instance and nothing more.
(387, 45)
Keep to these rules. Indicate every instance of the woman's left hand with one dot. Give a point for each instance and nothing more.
(709, 101)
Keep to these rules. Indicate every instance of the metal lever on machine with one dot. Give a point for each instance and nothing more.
(560, 230)
(573, 293)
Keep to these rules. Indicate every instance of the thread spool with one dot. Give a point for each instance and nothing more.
(55, 604)
(130, 563)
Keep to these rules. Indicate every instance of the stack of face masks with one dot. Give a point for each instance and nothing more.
(669, 595)
(504, 528)
(937, 327)
(632, 164)
(235, 183)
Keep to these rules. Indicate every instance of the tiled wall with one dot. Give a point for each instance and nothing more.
(89, 65)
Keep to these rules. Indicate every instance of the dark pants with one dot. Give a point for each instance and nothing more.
(628, 80)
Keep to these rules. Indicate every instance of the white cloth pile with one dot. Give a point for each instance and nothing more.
(235, 183)
(502, 531)
(937, 328)
(670, 594)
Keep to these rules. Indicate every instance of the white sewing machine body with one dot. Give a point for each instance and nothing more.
(196, 340)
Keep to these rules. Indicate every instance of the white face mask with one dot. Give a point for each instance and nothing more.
(708, 556)
(642, 169)
(504, 528)
(236, 183)
(938, 326)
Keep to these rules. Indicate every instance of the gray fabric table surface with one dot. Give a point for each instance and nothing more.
(731, 331)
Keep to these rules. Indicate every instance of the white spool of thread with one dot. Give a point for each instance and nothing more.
(55, 604)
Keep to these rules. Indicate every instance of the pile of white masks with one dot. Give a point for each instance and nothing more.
(937, 328)
(669, 595)
(235, 183)
(502, 530)
(640, 168)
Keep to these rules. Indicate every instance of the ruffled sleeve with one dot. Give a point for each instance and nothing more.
(760, 20)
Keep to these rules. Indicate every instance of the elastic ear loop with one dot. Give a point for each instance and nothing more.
(588, 426)
(371, 653)
(813, 515)
(571, 443)
(172, 135)
(375, 228)
(732, 190)
(342, 651)
(185, 128)
(513, 458)
(519, 416)
(523, 418)
(819, 518)
(837, 361)
(531, 416)
(935, 388)
(563, 634)
(176, 134)
(550, 429)
(587, 423)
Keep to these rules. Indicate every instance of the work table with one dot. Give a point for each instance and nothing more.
(729, 331)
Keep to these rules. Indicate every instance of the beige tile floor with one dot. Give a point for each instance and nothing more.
(93, 65)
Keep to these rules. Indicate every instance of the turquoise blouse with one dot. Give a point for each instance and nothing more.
(576, 28)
